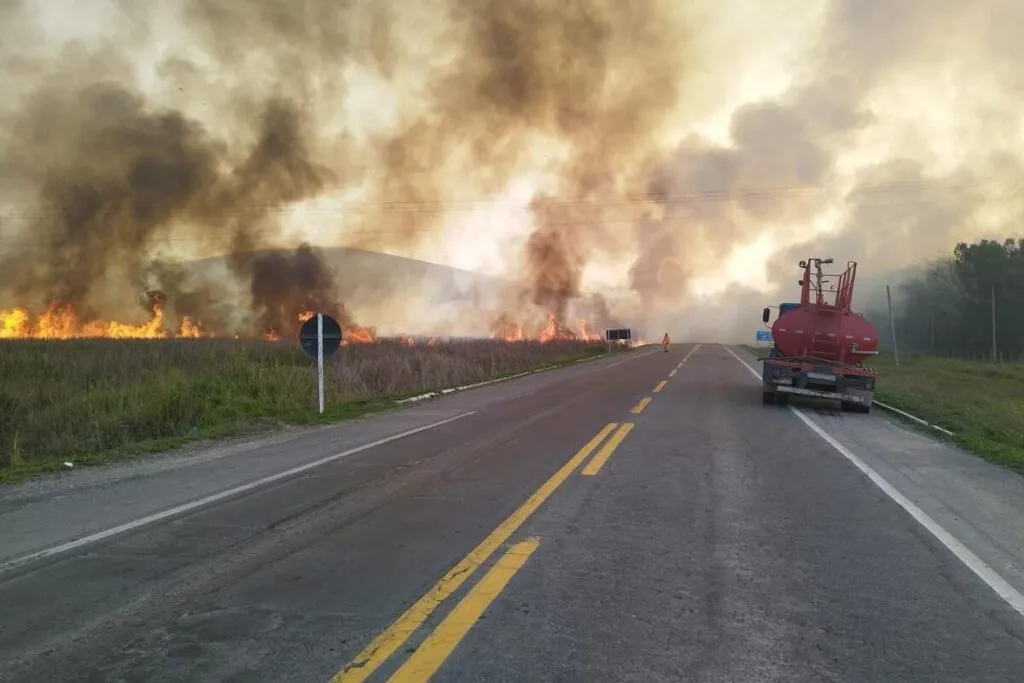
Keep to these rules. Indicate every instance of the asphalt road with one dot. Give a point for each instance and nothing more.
(710, 539)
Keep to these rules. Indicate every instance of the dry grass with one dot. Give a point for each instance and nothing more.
(981, 403)
(90, 400)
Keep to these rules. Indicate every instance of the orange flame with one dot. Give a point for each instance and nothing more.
(359, 335)
(586, 335)
(508, 331)
(189, 329)
(60, 321)
(553, 330)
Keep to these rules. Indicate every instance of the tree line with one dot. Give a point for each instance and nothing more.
(956, 304)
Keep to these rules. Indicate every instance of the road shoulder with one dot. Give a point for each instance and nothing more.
(58, 509)
(980, 504)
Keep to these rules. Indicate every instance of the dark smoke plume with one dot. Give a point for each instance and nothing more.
(554, 264)
(118, 179)
(284, 283)
(110, 177)
(115, 178)
(594, 79)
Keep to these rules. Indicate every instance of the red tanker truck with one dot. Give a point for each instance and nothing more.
(820, 345)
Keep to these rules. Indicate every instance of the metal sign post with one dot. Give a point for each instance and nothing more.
(320, 336)
(624, 334)
(320, 359)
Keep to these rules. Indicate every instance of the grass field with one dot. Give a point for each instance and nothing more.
(89, 401)
(981, 403)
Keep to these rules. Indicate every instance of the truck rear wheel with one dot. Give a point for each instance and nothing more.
(862, 408)
(768, 397)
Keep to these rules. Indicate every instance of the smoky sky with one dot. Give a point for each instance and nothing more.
(101, 176)
(124, 175)
(779, 170)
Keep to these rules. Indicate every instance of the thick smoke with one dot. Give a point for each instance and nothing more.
(112, 168)
(115, 179)
(594, 80)
(112, 178)
(781, 170)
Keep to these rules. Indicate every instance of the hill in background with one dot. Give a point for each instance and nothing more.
(368, 276)
(401, 295)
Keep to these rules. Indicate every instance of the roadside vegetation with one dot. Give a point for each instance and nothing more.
(948, 309)
(982, 403)
(89, 401)
(951, 373)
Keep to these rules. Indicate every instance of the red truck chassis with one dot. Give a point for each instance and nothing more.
(826, 369)
(783, 377)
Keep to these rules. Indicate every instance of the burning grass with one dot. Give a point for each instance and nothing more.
(90, 400)
(60, 321)
(981, 403)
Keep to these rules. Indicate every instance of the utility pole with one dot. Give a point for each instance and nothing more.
(892, 327)
(995, 357)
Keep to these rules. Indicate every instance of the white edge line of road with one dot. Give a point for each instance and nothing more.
(980, 568)
(202, 502)
(465, 387)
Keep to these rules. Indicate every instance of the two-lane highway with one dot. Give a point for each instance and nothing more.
(282, 581)
(642, 519)
(724, 542)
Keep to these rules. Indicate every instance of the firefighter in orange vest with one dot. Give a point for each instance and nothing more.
(665, 342)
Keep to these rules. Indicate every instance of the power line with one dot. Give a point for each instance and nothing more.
(628, 200)
(442, 206)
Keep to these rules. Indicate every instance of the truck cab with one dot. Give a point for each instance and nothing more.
(767, 315)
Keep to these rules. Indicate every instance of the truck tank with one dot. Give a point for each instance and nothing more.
(824, 329)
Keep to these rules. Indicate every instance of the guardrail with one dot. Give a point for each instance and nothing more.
(913, 418)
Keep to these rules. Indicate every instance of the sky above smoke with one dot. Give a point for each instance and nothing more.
(679, 156)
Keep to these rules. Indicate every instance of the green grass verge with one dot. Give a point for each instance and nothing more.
(98, 401)
(981, 403)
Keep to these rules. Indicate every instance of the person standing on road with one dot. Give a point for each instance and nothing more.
(665, 342)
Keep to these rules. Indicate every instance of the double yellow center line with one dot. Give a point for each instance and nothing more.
(639, 407)
(598, 461)
(429, 656)
(432, 653)
(395, 635)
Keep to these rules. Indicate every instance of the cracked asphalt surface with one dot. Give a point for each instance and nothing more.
(721, 540)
